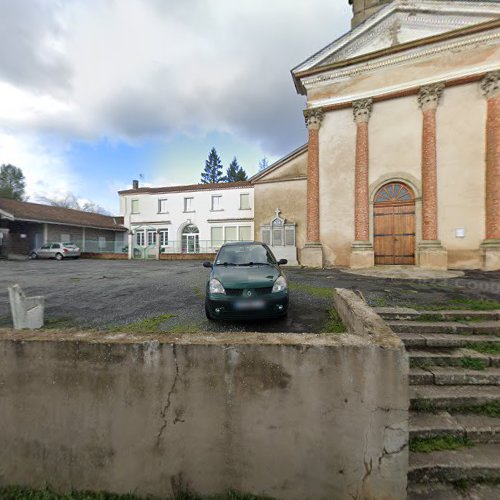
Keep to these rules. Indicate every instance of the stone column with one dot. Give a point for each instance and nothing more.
(431, 253)
(362, 254)
(490, 247)
(130, 240)
(312, 253)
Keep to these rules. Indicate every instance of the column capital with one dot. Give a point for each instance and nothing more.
(313, 118)
(429, 96)
(490, 84)
(362, 110)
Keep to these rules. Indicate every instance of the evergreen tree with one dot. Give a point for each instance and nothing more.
(235, 173)
(12, 183)
(213, 169)
(263, 164)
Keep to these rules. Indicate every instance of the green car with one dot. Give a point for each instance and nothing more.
(246, 282)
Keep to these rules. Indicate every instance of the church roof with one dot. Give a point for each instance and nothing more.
(396, 26)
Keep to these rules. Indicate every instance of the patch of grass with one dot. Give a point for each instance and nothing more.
(462, 303)
(20, 493)
(488, 409)
(464, 484)
(334, 323)
(379, 302)
(313, 290)
(439, 443)
(148, 325)
(473, 364)
(485, 347)
(420, 363)
(198, 292)
(184, 328)
(59, 323)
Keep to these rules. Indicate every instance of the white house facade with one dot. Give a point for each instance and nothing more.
(190, 219)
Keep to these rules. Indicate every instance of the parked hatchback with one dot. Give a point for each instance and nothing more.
(246, 282)
(58, 251)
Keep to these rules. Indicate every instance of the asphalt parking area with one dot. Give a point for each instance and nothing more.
(105, 295)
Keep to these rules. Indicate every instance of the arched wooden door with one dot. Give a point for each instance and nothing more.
(394, 225)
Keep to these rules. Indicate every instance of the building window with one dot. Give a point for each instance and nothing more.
(246, 233)
(163, 237)
(151, 238)
(135, 206)
(102, 242)
(217, 235)
(244, 201)
(216, 202)
(162, 206)
(188, 205)
(139, 238)
(231, 233)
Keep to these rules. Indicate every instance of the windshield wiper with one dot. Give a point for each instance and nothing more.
(227, 264)
(255, 264)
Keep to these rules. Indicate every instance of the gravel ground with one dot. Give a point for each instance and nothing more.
(102, 294)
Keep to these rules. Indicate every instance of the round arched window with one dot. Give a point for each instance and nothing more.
(395, 192)
(190, 229)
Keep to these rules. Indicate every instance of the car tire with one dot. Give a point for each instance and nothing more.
(208, 314)
(59, 256)
(33, 255)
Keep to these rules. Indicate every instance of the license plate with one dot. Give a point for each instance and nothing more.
(247, 305)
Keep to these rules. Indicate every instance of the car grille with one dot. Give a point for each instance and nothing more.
(237, 292)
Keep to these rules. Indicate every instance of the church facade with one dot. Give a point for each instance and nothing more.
(403, 160)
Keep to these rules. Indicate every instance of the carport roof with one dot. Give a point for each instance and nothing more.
(36, 212)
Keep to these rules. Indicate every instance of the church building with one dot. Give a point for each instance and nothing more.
(402, 165)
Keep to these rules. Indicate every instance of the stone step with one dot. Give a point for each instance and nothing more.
(478, 463)
(465, 358)
(445, 491)
(446, 339)
(403, 313)
(429, 398)
(475, 428)
(451, 375)
(472, 328)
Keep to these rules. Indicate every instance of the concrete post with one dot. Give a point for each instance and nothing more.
(27, 312)
(130, 236)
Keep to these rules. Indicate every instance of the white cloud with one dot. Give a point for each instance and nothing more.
(135, 68)
(44, 165)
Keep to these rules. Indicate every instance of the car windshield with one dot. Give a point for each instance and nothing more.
(69, 245)
(245, 255)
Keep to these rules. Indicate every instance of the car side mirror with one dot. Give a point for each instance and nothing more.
(282, 262)
(208, 264)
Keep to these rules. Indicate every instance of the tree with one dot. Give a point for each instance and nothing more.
(263, 164)
(213, 169)
(12, 183)
(71, 201)
(235, 173)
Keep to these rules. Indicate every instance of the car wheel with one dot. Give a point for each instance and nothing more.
(33, 255)
(59, 256)
(208, 314)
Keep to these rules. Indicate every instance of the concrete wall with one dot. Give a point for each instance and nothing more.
(290, 416)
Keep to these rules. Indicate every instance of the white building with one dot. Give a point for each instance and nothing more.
(197, 218)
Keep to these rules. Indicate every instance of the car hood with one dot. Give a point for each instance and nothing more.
(246, 277)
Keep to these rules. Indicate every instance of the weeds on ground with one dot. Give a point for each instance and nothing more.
(334, 323)
(473, 364)
(485, 347)
(148, 325)
(59, 323)
(19, 493)
(461, 304)
(439, 443)
(198, 292)
(465, 484)
(488, 409)
(315, 291)
(379, 302)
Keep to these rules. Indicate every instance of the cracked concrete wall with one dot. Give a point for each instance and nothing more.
(290, 416)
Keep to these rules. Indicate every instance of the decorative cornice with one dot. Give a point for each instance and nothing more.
(362, 110)
(490, 84)
(313, 118)
(430, 95)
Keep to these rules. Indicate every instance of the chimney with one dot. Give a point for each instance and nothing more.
(362, 9)
(135, 184)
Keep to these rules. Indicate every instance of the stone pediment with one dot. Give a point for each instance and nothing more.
(401, 22)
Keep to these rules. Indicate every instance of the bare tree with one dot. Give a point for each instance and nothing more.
(71, 201)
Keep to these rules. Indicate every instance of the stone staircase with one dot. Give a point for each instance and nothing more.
(454, 401)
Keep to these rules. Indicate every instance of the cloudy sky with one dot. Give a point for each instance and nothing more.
(94, 93)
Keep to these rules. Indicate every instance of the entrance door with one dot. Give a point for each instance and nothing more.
(394, 225)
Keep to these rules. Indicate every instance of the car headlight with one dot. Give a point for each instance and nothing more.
(216, 287)
(280, 285)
